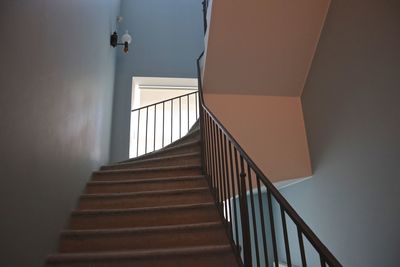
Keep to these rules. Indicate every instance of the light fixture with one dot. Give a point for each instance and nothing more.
(125, 40)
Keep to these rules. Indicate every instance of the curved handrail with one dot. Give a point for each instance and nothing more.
(205, 4)
(164, 101)
(326, 255)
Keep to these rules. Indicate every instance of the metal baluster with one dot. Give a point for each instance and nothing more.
(219, 162)
(138, 128)
(238, 178)
(223, 166)
(245, 217)
(261, 208)
(206, 166)
(234, 231)
(172, 117)
(203, 156)
(207, 121)
(180, 117)
(233, 194)
(323, 263)
(271, 221)
(188, 111)
(228, 187)
(301, 245)
(211, 156)
(223, 177)
(155, 120)
(286, 238)
(195, 99)
(147, 116)
(163, 122)
(253, 215)
(215, 174)
(217, 188)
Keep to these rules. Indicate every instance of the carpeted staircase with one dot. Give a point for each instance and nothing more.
(156, 210)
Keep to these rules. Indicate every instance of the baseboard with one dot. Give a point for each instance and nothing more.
(283, 184)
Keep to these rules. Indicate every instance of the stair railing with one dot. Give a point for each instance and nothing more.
(205, 4)
(252, 208)
(160, 124)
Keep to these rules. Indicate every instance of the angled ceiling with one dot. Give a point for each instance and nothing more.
(262, 47)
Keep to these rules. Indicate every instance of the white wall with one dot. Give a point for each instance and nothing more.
(56, 80)
(352, 114)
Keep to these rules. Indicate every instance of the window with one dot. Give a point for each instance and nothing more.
(160, 122)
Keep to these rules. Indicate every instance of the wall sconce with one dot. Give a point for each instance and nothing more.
(125, 40)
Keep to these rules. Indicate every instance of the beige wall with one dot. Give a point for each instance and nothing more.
(270, 129)
(262, 47)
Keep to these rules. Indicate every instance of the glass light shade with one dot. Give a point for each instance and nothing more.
(126, 38)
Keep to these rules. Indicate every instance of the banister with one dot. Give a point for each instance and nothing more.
(163, 101)
(158, 131)
(326, 255)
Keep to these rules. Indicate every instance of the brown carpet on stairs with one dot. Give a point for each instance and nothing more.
(154, 211)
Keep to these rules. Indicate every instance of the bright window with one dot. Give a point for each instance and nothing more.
(162, 122)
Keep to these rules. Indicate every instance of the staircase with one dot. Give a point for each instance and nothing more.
(199, 201)
(155, 210)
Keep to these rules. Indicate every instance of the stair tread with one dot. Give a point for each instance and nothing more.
(183, 155)
(144, 193)
(168, 148)
(176, 144)
(149, 169)
(180, 227)
(134, 254)
(133, 210)
(147, 180)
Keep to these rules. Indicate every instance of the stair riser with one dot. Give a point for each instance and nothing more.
(144, 218)
(148, 240)
(157, 200)
(188, 160)
(99, 176)
(147, 186)
(209, 260)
